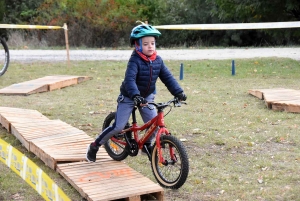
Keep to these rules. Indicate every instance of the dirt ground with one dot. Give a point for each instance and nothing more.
(170, 54)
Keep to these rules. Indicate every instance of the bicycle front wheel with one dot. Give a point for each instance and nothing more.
(4, 56)
(174, 171)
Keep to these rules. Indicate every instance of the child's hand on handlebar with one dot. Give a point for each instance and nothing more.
(140, 101)
(181, 96)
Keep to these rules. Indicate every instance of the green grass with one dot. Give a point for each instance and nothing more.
(238, 148)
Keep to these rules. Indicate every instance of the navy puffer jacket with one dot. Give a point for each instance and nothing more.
(141, 76)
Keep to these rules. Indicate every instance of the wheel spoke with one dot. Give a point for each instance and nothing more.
(116, 147)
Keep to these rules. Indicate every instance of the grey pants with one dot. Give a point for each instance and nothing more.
(124, 109)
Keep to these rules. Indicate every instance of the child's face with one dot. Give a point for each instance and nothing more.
(148, 45)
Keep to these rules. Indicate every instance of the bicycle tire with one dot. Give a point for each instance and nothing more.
(115, 150)
(4, 56)
(171, 176)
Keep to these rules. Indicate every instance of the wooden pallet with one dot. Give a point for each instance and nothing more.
(279, 99)
(63, 148)
(10, 115)
(109, 180)
(43, 84)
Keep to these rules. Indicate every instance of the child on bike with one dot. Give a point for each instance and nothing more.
(138, 87)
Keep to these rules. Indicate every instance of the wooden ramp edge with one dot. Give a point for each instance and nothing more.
(63, 148)
(44, 84)
(279, 99)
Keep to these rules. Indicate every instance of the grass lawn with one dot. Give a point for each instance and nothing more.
(238, 148)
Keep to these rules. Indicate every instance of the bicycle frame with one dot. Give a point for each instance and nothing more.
(152, 125)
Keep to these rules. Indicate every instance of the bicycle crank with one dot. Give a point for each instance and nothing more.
(132, 148)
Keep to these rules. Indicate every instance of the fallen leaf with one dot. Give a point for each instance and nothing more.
(260, 180)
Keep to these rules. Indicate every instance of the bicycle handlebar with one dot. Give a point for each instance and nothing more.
(161, 106)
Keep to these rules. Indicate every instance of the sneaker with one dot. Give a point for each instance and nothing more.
(91, 153)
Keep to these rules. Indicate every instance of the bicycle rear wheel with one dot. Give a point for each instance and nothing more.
(114, 149)
(4, 56)
(173, 173)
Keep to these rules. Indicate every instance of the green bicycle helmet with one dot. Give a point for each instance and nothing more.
(142, 31)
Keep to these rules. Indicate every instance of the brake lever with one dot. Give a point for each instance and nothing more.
(179, 103)
(149, 107)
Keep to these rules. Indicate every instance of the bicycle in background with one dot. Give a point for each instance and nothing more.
(4, 56)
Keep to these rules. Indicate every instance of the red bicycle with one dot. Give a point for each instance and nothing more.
(168, 156)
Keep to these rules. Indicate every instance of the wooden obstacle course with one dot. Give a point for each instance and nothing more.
(279, 99)
(44, 84)
(63, 147)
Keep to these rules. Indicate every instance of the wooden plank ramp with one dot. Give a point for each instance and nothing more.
(44, 84)
(63, 147)
(279, 99)
(109, 180)
(9, 115)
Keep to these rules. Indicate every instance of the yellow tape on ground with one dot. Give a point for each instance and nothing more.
(17, 26)
(31, 173)
(229, 26)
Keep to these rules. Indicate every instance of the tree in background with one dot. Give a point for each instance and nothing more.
(92, 23)
(21, 12)
(186, 12)
(251, 11)
(228, 11)
(2, 9)
(3, 32)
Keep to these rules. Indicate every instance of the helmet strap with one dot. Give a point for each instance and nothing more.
(139, 47)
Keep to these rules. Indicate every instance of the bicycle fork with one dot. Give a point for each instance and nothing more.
(160, 146)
